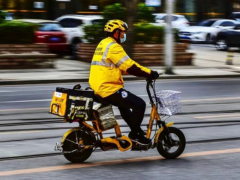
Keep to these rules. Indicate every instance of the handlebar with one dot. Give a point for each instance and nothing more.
(150, 83)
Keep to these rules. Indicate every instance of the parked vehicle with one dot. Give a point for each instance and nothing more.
(73, 25)
(49, 32)
(235, 16)
(228, 38)
(6, 15)
(178, 21)
(9, 16)
(206, 31)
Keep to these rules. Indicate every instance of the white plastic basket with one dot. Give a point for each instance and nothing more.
(168, 102)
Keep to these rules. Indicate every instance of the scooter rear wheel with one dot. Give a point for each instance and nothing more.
(174, 149)
(71, 149)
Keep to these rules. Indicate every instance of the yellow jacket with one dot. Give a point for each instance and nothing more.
(109, 62)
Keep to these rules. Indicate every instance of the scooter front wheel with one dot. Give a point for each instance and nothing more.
(172, 144)
(72, 149)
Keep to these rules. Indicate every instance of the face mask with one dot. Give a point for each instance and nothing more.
(123, 39)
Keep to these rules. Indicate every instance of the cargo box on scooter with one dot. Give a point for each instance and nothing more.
(72, 104)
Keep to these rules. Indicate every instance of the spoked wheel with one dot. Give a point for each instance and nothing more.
(171, 149)
(73, 147)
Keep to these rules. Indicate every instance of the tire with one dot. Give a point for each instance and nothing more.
(221, 44)
(74, 49)
(162, 146)
(69, 145)
(208, 39)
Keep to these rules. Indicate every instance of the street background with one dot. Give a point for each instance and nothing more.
(207, 62)
(210, 87)
(209, 119)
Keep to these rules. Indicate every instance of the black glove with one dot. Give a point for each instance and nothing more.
(154, 75)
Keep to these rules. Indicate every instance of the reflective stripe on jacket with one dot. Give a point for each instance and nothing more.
(109, 62)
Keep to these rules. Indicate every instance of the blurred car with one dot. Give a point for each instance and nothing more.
(235, 16)
(9, 16)
(6, 15)
(228, 38)
(206, 31)
(178, 21)
(72, 26)
(49, 32)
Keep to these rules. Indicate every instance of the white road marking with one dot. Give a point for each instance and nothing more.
(26, 101)
(27, 90)
(2, 110)
(190, 100)
(199, 100)
(20, 132)
(219, 116)
(182, 80)
(211, 99)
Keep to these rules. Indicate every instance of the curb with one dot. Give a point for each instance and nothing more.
(51, 81)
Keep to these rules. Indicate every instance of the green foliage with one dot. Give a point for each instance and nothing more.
(148, 33)
(17, 32)
(115, 11)
(175, 35)
(144, 13)
(94, 33)
(2, 15)
(144, 32)
(151, 34)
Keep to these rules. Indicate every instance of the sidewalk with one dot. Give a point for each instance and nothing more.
(207, 64)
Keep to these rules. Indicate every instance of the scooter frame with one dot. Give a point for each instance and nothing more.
(84, 126)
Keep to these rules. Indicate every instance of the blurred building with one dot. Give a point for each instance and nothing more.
(197, 10)
(194, 10)
(51, 9)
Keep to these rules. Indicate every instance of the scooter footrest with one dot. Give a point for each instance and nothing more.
(140, 147)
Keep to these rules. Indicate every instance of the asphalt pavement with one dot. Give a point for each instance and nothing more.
(207, 63)
(209, 121)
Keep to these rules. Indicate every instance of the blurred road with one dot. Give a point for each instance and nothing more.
(206, 56)
(207, 63)
(209, 119)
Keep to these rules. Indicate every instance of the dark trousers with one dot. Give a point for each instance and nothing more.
(131, 107)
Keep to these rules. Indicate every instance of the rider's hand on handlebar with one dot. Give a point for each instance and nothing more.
(154, 75)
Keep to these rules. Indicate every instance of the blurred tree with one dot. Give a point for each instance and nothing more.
(103, 3)
(2, 15)
(144, 13)
(114, 11)
(17, 32)
(131, 7)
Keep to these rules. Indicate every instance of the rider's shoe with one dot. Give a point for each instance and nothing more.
(139, 137)
(142, 132)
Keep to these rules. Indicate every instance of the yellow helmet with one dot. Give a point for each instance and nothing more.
(111, 25)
